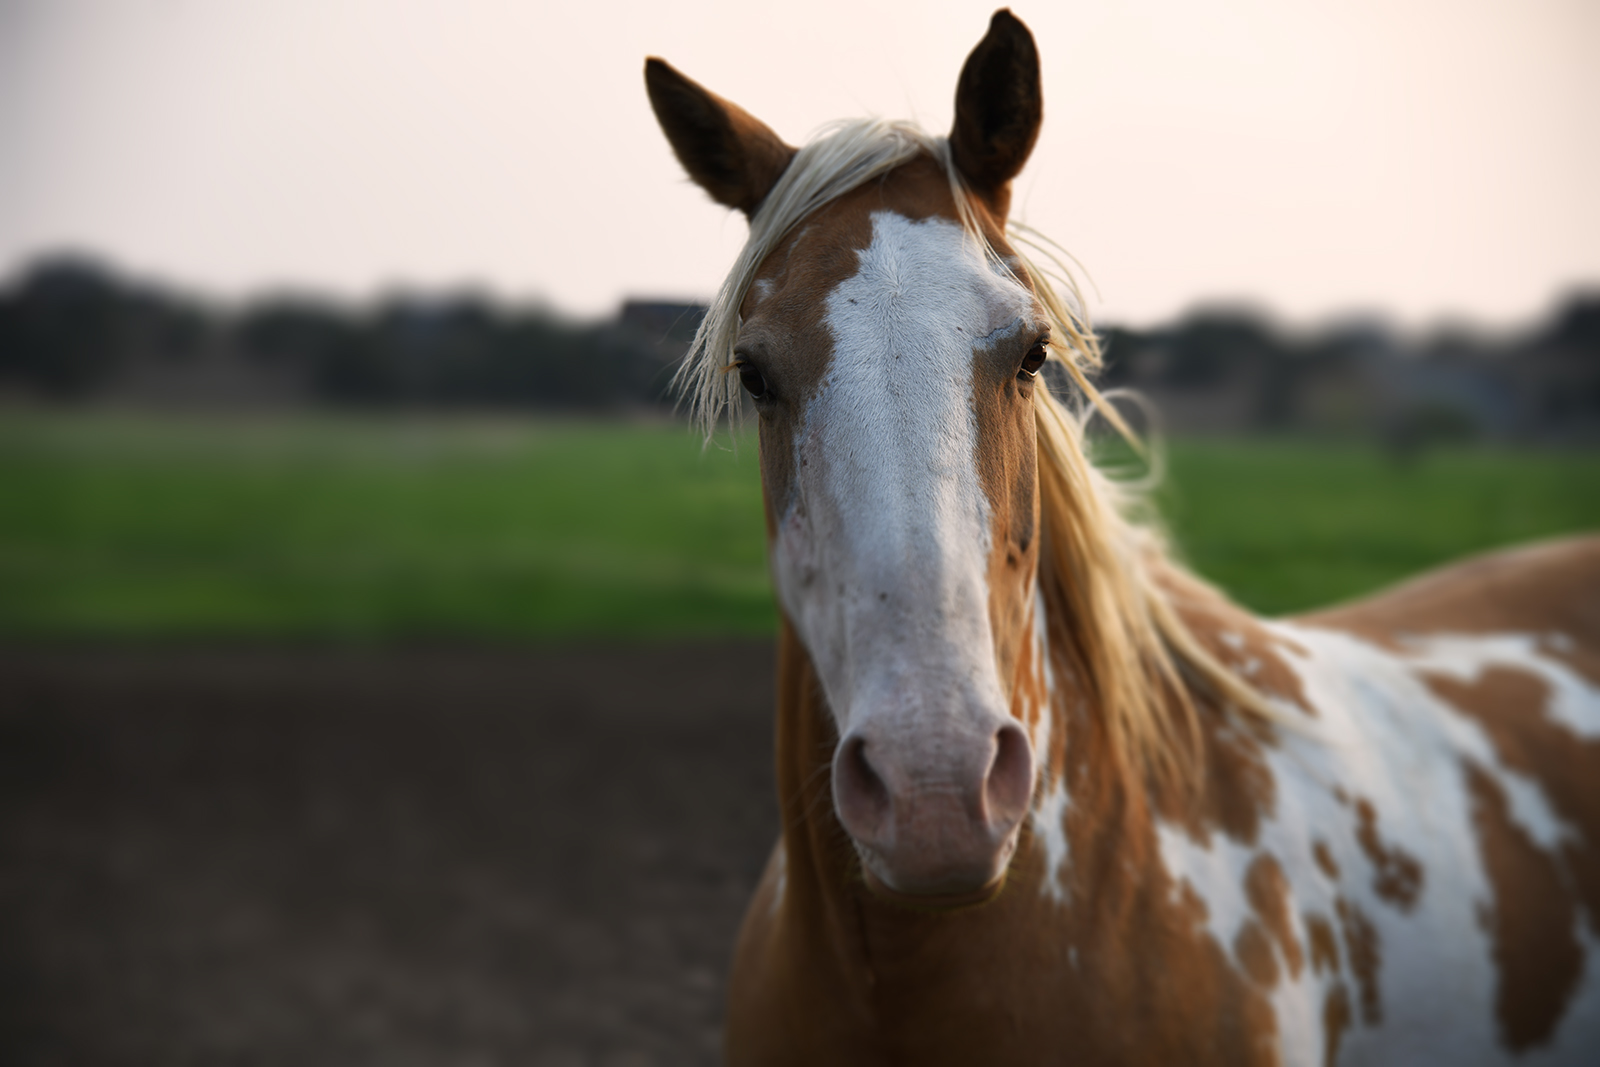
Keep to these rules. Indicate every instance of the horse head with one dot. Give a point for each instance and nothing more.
(891, 347)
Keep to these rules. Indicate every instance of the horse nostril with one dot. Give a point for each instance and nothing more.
(1009, 785)
(860, 794)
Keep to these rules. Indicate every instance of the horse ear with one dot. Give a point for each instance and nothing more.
(998, 106)
(728, 152)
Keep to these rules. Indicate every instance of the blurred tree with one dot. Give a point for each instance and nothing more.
(58, 329)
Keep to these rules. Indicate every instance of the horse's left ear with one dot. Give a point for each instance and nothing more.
(999, 106)
(729, 153)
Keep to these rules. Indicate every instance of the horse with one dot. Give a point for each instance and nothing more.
(1047, 796)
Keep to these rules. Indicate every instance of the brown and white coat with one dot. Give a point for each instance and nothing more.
(1394, 859)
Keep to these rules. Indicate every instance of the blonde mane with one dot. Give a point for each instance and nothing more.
(1109, 580)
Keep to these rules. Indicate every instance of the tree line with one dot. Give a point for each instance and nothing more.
(73, 329)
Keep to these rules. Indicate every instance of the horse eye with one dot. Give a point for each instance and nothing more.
(754, 383)
(1032, 362)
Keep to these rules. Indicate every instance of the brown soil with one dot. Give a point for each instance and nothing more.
(388, 858)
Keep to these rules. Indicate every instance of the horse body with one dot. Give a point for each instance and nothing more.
(1046, 797)
(1407, 878)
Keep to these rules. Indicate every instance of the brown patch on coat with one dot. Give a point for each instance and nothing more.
(1324, 857)
(1268, 892)
(1362, 947)
(1008, 471)
(1031, 702)
(1324, 944)
(1253, 948)
(1235, 791)
(1396, 875)
(1512, 707)
(1336, 1019)
(1250, 650)
(1532, 922)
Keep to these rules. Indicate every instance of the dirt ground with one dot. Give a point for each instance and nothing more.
(405, 857)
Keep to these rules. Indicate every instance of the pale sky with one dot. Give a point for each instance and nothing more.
(1421, 159)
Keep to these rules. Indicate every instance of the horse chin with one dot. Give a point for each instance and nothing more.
(939, 901)
(951, 893)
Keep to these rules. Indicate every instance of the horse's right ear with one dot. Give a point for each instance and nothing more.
(728, 152)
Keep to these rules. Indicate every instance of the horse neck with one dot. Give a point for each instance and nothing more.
(821, 879)
(1218, 779)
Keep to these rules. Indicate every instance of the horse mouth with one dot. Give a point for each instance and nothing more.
(935, 901)
(944, 894)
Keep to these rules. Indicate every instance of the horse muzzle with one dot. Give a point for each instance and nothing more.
(938, 817)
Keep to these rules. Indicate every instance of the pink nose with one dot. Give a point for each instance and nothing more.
(938, 817)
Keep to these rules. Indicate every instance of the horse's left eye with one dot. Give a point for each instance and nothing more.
(1032, 362)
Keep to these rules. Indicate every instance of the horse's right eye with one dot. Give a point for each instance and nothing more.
(754, 383)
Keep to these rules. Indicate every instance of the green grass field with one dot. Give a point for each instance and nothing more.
(1286, 526)
(347, 528)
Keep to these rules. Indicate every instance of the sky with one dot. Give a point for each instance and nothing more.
(1421, 160)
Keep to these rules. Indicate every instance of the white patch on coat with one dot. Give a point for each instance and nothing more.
(881, 555)
(1530, 809)
(1049, 826)
(1215, 870)
(1050, 806)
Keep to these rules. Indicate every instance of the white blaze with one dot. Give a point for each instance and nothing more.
(882, 550)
